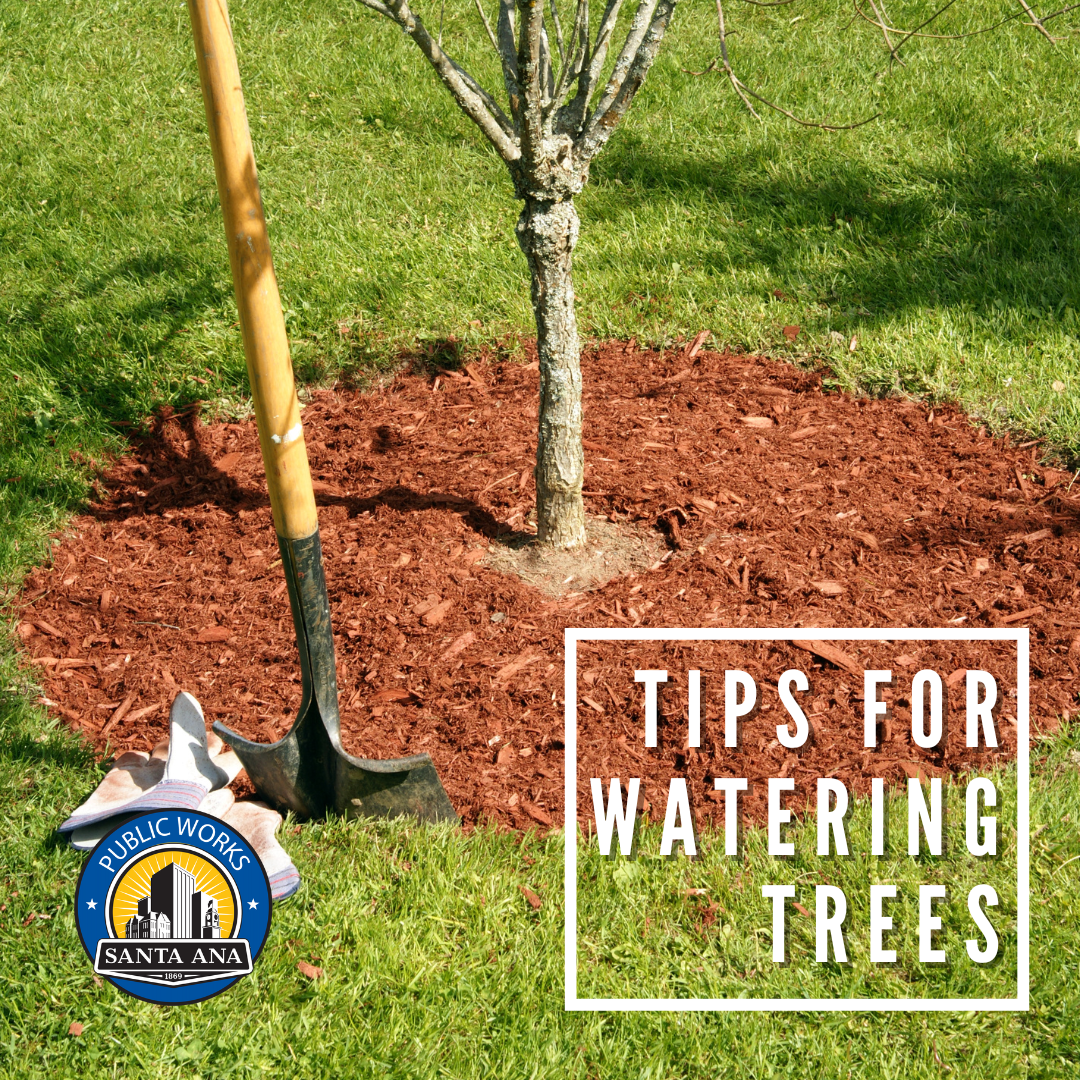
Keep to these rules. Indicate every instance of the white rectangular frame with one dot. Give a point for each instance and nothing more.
(1023, 781)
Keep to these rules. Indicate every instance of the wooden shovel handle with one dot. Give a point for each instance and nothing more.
(266, 346)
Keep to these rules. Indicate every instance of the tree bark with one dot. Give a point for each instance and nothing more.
(547, 232)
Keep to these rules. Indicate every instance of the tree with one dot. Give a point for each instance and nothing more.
(561, 113)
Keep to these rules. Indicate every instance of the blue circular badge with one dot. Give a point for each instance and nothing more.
(173, 907)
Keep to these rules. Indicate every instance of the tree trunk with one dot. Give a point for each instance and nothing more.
(547, 231)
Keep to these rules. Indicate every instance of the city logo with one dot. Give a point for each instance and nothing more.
(173, 907)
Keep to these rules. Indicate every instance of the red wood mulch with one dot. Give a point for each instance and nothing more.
(783, 506)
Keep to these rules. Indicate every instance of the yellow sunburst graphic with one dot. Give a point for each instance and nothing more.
(174, 894)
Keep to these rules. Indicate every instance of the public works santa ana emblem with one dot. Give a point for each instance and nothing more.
(173, 907)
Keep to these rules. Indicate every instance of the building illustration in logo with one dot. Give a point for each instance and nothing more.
(174, 909)
(148, 924)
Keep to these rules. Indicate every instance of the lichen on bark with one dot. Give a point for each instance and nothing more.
(547, 232)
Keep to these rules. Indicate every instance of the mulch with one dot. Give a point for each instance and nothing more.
(780, 504)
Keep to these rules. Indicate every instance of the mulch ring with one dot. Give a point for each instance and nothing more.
(780, 505)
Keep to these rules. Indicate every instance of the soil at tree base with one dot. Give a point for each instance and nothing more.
(779, 505)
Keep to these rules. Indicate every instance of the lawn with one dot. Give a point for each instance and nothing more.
(941, 238)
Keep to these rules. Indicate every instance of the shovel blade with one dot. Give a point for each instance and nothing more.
(309, 773)
(392, 788)
(293, 772)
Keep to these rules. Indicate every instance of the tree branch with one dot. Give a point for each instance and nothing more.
(639, 27)
(742, 89)
(602, 124)
(530, 75)
(1037, 24)
(508, 54)
(465, 90)
(487, 26)
(547, 66)
(926, 22)
(572, 118)
(1047, 18)
(558, 34)
(945, 37)
(884, 30)
(727, 62)
(382, 9)
(493, 106)
(578, 48)
(808, 123)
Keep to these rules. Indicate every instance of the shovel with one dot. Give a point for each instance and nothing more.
(307, 772)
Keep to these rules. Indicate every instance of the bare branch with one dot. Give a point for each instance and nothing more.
(572, 118)
(885, 32)
(943, 37)
(493, 106)
(768, 3)
(465, 90)
(743, 90)
(1047, 18)
(558, 34)
(508, 54)
(530, 80)
(925, 22)
(727, 62)
(579, 45)
(808, 123)
(547, 67)
(1037, 24)
(602, 124)
(487, 26)
(382, 9)
(639, 27)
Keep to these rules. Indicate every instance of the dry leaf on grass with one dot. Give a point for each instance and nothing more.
(534, 901)
(75, 1028)
(310, 970)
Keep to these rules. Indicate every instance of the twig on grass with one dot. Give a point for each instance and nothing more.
(743, 90)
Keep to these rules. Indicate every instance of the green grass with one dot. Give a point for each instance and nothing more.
(943, 237)
(436, 966)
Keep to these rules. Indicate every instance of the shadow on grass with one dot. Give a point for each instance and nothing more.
(84, 362)
(999, 232)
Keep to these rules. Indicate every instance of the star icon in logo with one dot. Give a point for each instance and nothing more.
(253, 904)
(91, 905)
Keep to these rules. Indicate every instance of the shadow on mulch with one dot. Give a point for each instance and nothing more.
(779, 506)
